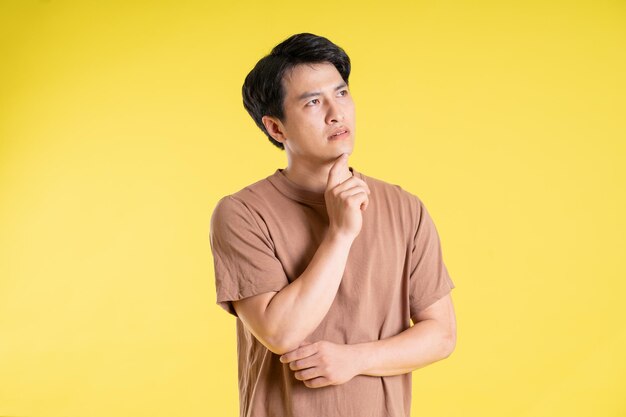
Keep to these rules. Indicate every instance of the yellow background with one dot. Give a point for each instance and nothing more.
(121, 125)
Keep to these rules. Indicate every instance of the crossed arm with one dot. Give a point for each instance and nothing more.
(282, 320)
(430, 339)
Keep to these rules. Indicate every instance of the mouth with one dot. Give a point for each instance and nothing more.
(341, 134)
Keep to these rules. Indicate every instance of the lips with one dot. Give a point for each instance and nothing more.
(338, 132)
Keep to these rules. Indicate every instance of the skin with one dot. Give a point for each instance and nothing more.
(308, 122)
(310, 154)
(430, 339)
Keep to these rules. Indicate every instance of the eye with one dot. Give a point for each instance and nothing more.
(312, 101)
(344, 91)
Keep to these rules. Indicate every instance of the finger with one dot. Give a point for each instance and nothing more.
(317, 382)
(301, 352)
(309, 373)
(335, 171)
(350, 183)
(351, 191)
(300, 346)
(356, 200)
(355, 180)
(305, 363)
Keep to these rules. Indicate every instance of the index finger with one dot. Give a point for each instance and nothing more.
(333, 174)
(301, 352)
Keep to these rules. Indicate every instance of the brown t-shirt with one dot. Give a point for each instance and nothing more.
(264, 236)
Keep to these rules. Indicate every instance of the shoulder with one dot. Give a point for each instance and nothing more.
(247, 197)
(243, 208)
(393, 192)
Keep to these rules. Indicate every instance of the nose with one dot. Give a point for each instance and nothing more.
(334, 113)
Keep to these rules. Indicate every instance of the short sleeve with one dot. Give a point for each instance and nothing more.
(243, 255)
(429, 279)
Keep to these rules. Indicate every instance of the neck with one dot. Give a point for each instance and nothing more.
(313, 177)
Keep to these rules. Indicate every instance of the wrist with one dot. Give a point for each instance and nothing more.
(362, 354)
(338, 238)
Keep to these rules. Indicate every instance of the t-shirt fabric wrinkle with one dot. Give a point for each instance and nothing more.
(263, 238)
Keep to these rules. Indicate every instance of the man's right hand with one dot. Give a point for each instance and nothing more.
(345, 201)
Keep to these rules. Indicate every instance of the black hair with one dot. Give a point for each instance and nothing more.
(263, 92)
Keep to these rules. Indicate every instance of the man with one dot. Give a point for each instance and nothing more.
(324, 266)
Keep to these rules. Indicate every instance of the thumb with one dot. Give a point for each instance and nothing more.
(335, 171)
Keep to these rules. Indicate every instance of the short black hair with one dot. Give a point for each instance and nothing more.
(263, 92)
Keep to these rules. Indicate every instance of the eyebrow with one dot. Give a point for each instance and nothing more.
(317, 93)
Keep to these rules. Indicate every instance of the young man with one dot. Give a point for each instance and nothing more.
(323, 266)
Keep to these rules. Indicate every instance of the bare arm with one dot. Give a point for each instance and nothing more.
(282, 320)
(432, 338)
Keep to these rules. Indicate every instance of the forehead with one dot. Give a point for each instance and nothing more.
(304, 78)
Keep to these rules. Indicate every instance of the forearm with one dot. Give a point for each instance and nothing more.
(297, 310)
(420, 345)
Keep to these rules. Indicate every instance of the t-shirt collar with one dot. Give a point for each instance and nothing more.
(295, 191)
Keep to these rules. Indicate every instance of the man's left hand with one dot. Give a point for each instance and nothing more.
(323, 363)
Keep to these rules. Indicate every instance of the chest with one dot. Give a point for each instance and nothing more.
(380, 248)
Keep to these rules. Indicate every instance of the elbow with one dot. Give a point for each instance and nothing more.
(448, 345)
(280, 350)
(277, 348)
(280, 345)
(274, 337)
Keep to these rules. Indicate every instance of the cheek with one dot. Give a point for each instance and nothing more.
(310, 127)
(350, 108)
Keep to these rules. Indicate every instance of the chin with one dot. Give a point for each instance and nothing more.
(339, 152)
(340, 148)
(349, 148)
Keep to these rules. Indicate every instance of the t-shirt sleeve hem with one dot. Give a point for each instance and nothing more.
(430, 300)
(225, 301)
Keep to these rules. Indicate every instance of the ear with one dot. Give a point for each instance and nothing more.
(275, 128)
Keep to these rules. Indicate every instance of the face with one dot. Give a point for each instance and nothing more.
(317, 104)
